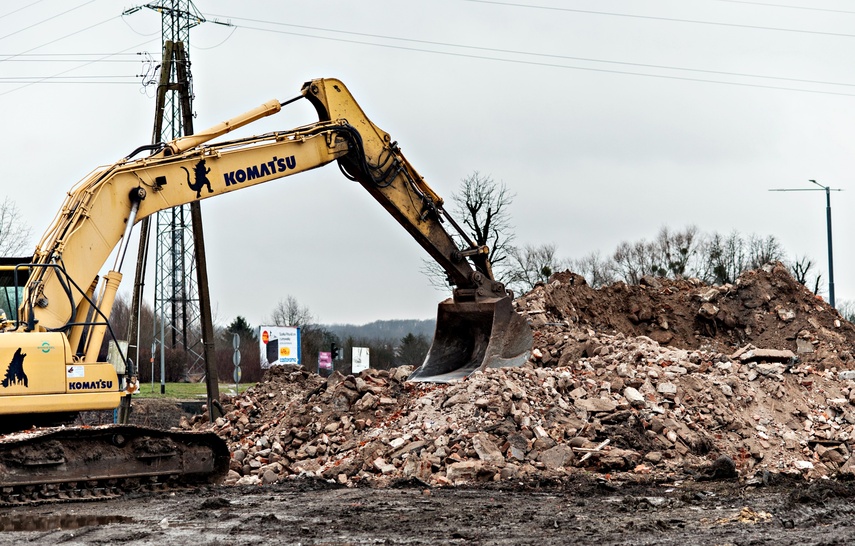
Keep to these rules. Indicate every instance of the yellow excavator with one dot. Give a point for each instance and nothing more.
(57, 310)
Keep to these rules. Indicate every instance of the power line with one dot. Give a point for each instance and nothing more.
(135, 31)
(46, 20)
(42, 78)
(555, 65)
(67, 36)
(224, 40)
(668, 19)
(74, 59)
(20, 9)
(49, 81)
(59, 54)
(13, 57)
(545, 55)
(70, 69)
(785, 6)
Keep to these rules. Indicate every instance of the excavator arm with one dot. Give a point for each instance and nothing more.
(383, 170)
(51, 344)
(475, 328)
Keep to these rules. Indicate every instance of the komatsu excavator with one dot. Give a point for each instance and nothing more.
(58, 311)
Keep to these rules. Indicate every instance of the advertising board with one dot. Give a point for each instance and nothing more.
(279, 345)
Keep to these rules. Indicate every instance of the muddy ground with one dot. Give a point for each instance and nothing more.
(586, 511)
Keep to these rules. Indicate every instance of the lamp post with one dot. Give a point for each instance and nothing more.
(827, 191)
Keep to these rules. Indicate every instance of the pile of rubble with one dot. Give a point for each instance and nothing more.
(602, 392)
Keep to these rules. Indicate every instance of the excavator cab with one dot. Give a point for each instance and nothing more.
(12, 282)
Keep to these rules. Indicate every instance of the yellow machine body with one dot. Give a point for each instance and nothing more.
(39, 376)
(51, 341)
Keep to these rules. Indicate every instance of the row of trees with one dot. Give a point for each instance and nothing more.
(483, 207)
(714, 258)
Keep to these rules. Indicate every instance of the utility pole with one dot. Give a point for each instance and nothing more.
(182, 303)
(827, 191)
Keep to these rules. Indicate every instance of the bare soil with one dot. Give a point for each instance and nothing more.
(585, 510)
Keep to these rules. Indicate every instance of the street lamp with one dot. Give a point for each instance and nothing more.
(828, 191)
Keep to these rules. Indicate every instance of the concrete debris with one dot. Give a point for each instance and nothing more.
(638, 381)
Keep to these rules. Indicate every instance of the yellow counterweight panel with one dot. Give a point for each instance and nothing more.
(33, 363)
(36, 376)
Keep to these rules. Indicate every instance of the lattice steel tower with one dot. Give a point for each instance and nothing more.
(176, 290)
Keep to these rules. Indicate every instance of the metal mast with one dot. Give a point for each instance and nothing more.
(178, 318)
(182, 308)
(176, 291)
(827, 191)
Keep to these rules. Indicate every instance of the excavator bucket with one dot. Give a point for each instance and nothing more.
(472, 336)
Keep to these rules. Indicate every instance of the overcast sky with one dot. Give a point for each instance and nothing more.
(608, 119)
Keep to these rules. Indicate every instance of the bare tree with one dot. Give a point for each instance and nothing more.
(724, 258)
(14, 232)
(801, 269)
(631, 261)
(530, 265)
(678, 250)
(289, 312)
(481, 206)
(762, 250)
(846, 308)
(596, 270)
(715, 259)
(672, 254)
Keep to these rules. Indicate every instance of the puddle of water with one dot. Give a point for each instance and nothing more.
(49, 522)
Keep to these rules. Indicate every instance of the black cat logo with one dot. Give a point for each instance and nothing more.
(15, 374)
(200, 176)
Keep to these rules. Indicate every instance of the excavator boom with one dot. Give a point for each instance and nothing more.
(99, 212)
(61, 312)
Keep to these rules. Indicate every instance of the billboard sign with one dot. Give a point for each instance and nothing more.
(325, 361)
(279, 345)
(360, 359)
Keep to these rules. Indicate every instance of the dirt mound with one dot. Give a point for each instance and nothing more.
(664, 380)
(764, 308)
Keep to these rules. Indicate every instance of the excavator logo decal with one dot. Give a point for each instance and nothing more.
(275, 165)
(15, 373)
(89, 385)
(200, 178)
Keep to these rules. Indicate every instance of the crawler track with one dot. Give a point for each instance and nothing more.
(62, 464)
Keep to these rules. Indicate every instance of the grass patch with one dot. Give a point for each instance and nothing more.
(186, 391)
